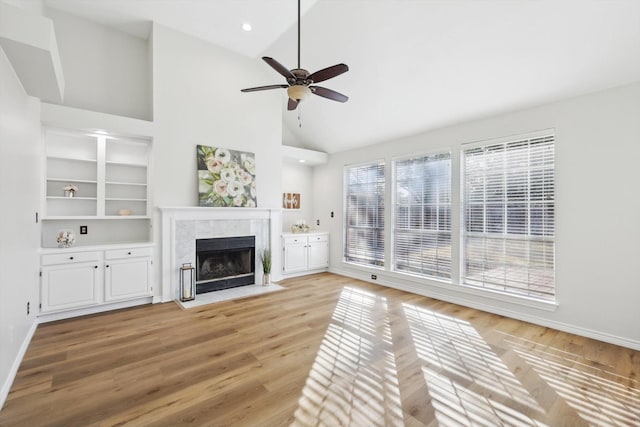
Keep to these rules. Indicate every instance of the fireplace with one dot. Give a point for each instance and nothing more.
(226, 262)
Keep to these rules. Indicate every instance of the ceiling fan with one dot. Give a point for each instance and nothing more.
(301, 83)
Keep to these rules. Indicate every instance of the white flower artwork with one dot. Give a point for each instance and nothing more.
(226, 177)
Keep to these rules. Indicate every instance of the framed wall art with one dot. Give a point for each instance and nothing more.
(291, 200)
(226, 178)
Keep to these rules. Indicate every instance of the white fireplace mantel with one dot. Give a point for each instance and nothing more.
(182, 225)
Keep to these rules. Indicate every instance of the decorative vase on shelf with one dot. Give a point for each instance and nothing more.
(266, 279)
(70, 190)
(65, 238)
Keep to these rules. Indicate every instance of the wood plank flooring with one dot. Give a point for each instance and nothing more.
(327, 351)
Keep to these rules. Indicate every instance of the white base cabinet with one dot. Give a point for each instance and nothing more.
(66, 287)
(305, 253)
(74, 279)
(127, 274)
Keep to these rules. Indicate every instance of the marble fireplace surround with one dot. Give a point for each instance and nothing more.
(181, 226)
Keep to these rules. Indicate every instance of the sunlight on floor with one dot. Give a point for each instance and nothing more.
(449, 371)
(452, 348)
(587, 387)
(353, 380)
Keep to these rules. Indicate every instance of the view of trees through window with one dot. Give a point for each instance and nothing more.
(509, 227)
(364, 214)
(507, 220)
(422, 216)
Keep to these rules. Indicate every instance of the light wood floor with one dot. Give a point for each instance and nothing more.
(329, 351)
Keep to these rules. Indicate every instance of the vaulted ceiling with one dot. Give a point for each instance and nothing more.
(415, 65)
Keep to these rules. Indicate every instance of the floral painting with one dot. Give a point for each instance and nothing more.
(226, 177)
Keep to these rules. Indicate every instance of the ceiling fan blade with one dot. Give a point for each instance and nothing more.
(328, 93)
(292, 104)
(328, 73)
(279, 68)
(255, 89)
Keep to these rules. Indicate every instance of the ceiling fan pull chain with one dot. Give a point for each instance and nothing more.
(300, 116)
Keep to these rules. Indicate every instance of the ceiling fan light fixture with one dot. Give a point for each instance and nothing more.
(298, 92)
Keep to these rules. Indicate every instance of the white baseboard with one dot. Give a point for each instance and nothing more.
(6, 387)
(432, 292)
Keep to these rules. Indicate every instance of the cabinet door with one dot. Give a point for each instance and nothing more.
(318, 254)
(69, 286)
(295, 255)
(126, 279)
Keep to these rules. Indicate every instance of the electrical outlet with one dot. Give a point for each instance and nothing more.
(374, 277)
(83, 229)
(28, 307)
(331, 214)
(317, 222)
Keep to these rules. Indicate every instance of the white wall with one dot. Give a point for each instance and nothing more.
(597, 211)
(20, 183)
(105, 70)
(298, 179)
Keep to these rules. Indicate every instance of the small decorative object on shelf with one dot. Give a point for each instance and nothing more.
(187, 282)
(70, 190)
(265, 258)
(65, 238)
(300, 226)
(124, 212)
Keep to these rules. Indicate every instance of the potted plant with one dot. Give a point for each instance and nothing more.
(265, 258)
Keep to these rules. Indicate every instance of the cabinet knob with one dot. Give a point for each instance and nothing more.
(107, 266)
(128, 253)
(70, 257)
(95, 266)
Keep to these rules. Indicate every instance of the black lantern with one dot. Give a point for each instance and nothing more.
(187, 282)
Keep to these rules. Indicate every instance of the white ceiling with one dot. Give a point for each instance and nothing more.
(415, 65)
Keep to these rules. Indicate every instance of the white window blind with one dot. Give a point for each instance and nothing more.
(422, 216)
(509, 227)
(364, 214)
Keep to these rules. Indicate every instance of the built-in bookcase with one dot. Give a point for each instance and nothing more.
(111, 174)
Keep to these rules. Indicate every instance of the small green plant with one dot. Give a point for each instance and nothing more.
(265, 258)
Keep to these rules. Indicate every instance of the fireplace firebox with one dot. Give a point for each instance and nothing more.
(223, 263)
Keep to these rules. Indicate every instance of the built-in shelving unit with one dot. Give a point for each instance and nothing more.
(111, 174)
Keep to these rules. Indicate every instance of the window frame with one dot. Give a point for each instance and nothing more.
(379, 263)
(505, 236)
(394, 203)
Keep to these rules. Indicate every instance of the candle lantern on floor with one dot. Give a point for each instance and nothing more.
(187, 282)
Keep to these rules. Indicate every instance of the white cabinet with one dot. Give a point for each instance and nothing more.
(305, 253)
(295, 254)
(70, 281)
(94, 279)
(127, 274)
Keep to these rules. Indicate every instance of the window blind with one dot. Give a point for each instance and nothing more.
(509, 226)
(364, 214)
(422, 216)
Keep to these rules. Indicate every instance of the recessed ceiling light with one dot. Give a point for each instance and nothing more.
(302, 160)
(246, 26)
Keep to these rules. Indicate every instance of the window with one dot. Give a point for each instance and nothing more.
(508, 224)
(422, 216)
(364, 214)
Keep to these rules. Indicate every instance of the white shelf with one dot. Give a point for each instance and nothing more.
(92, 217)
(140, 184)
(72, 159)
(79, 181)
(70, 198)
(124, 199)
(134, 165)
